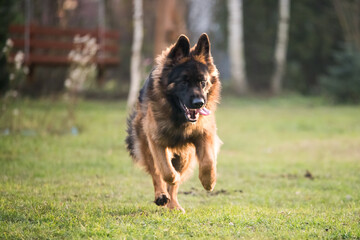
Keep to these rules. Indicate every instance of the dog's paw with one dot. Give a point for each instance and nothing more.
(175, 206)
(209, 187)
(172, 179)
(208, 179)
(162, 200)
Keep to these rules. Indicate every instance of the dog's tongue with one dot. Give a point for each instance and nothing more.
(204, 111)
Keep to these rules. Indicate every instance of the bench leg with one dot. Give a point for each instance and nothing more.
(100, 75)
(30, 75)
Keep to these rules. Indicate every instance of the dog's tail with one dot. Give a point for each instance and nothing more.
(131, 135)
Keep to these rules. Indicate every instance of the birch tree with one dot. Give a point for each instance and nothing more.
(200, 18)
(281, 46)
(236, 46)
(135, 73)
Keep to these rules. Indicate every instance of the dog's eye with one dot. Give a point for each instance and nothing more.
(203, 84)
(183, 83)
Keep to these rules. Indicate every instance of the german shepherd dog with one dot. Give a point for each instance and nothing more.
(173, 123)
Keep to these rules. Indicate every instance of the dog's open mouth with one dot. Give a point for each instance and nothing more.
(192, 115)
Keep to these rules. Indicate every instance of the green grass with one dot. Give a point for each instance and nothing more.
(55, 185)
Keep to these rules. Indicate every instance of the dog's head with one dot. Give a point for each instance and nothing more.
(190, 76)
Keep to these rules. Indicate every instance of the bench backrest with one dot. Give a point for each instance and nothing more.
(51, 45)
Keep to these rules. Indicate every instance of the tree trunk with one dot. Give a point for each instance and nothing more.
(135, 73)
(170, 23)
(200, 18)
(236, 47)
(281, 46)
(348, 13)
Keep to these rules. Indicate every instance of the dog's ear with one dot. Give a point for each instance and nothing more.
(203, 46)
(180, 50)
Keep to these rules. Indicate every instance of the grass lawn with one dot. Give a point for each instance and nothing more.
(57, 185)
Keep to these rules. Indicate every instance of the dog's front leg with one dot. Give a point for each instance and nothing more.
(162, 159)
(206, 152)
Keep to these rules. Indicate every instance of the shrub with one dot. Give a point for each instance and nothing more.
(342, 82)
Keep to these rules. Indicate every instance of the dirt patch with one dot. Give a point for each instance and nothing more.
(187, 193)
(289, 176)
(195, 191)
(219, 192)
(309, 175)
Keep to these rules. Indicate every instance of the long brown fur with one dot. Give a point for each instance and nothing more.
(160, 140)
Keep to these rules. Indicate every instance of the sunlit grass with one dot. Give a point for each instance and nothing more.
(57, 185)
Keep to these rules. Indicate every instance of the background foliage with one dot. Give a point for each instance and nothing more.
(342, 82)
(315, 37)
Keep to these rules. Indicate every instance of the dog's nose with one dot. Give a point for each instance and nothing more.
(198, 102)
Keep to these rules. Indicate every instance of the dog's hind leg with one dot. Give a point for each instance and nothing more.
(174, 204)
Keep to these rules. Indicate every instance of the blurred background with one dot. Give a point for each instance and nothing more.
(260, 47)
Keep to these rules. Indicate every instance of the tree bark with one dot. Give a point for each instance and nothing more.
(200, 18)
(236, 46)
(281, 46)
(170, 23)
(135, 73)
(348, 13)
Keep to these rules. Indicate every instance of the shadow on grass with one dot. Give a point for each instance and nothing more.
(134, 211)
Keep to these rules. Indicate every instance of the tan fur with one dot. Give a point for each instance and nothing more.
(151, 147)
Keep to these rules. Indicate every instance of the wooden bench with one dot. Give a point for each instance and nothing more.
(50, 46)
